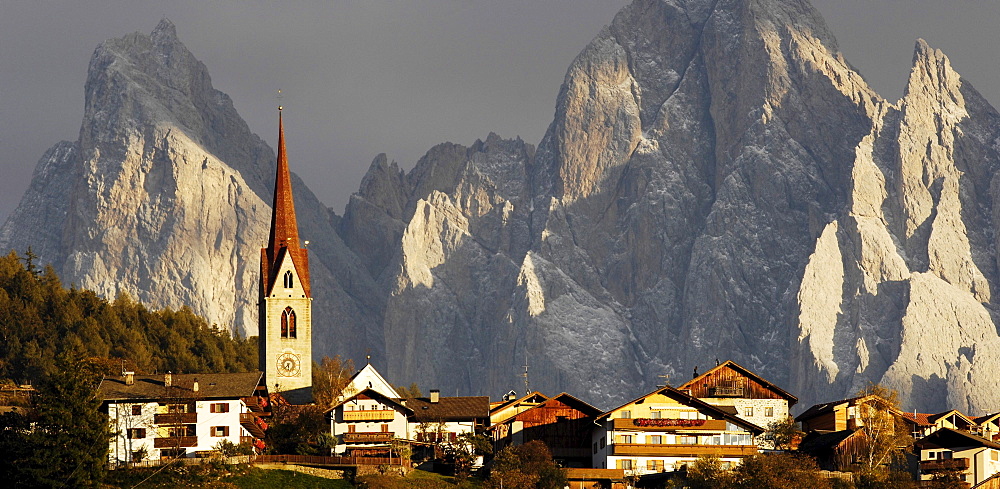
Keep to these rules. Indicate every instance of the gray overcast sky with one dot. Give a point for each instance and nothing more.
(362, 77)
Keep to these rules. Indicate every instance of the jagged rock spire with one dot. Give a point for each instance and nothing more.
(284, 235)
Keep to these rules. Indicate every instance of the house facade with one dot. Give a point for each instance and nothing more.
(749, 396)
(666, 429)
(563, 422)
(975, 459)
(369, 422)
(167, 416)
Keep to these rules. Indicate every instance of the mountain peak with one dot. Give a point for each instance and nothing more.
(165, 30)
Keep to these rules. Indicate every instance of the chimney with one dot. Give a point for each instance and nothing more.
(435, 396)
(168, 379)
(129, 378)
(195, 386)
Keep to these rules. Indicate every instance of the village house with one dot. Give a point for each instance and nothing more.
(563, 422)
(369, 420)
(974, 458)
(924, 424)
(737, 390)
(667, 429)
(182, 415)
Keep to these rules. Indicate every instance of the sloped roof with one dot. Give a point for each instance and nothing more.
(827, 407)
(369, 371)
(919, 419)
(494, 407)
(575, 402)
(986, 418)
(462, 408)
(949, 438)
(687, 399)
(816, 442)
(152, 388)
(747, 372)
(935, 417)
(374, 394)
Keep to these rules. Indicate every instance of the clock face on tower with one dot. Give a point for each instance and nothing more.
(288, 365)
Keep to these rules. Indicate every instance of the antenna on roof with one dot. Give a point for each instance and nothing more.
(666, 380)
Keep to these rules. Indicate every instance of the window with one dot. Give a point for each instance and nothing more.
(769, 412)
(748, 411)
(173, 452)
(595, 447)
(385, 428)
(219, 407)
(220, 431)
(183, 430)
(656, 414)
(136, 409)
(625, 414)
(136, 433)
(289, 279)
(624, 438)
(350, 428)
(603, 442)
(654, 439)
(624, 464)
(176, 408)
(654, 465)
(288, 323)
(687, 440)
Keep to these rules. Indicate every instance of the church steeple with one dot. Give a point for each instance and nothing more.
(284, 235)
(285, 307)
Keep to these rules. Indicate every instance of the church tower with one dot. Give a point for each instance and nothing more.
(285, 298)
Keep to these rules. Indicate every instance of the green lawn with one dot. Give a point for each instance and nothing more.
(241, 478)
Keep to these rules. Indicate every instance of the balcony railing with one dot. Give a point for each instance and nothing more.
(371, 437)
(175, 418)
(648, 424)
(175, 442)
(374, 415)
(652, 450)
(944, 464)
(725, 392)
(253, 424)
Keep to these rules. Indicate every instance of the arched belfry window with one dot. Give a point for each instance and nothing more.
(288, 323)
(289, 279)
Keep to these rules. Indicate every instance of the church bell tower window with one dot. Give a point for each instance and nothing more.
(288, 323)
(289, 279)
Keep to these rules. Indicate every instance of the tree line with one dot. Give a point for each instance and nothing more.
(40, 319)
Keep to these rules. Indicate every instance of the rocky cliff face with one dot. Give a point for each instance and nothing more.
(166, 197)
(717, 183)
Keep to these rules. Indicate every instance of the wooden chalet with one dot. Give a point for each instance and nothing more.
(668, 429)
(563, 423)
(739, 390)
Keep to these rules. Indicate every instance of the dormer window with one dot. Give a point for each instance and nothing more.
(289, 279)
(288, 323)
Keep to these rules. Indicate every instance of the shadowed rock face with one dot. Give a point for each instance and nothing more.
(717, 182)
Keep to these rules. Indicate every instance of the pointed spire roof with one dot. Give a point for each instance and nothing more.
(284, 236)
(284, 228)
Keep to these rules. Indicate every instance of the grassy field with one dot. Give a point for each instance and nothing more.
(219, 478)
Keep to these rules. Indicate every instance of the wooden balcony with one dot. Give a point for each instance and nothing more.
(374, 415)
(257, 404)
(671, 424)
(370, 437)
(247, 440)
(175, 442)
(725, 392)
(650, 450)
(253, 424)
(944, 464)
(175, 418)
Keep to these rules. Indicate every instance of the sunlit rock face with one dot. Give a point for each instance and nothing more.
(717, 183)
